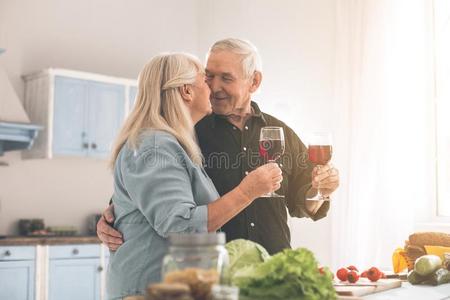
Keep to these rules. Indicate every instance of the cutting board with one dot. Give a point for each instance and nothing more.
(365, 287)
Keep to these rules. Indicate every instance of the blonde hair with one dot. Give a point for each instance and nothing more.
(251, 61)
(159, 104)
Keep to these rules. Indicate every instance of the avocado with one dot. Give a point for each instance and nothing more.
(415, 278)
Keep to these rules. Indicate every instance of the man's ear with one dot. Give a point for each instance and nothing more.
(256, 81)
(186, 92)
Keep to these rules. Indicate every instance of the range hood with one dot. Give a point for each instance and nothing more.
(16, 132)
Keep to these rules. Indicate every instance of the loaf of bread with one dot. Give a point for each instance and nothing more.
(414, 247)
(430, 239)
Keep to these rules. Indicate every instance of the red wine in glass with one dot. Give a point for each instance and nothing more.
(271, 150)
(319, 153)
(271, 147)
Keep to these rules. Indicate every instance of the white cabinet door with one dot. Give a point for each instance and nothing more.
(74, 279)
(106, 104)
(132, 96)
(17, 280)
(74, 272)
(17, 272)
(70, 119)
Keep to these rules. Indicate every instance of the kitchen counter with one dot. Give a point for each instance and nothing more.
(409, 292)
(413, 292)
(47, 240)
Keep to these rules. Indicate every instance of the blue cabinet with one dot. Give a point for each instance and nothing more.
(70, 117)
(74, 272)
(87, 116)
(81, 112)
(132, 96)
(106, 112)
(74, 279)
(17, 273)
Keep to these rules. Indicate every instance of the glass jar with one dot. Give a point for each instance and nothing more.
(199, 260)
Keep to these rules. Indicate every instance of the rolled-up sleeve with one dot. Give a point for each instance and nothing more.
(159, 184)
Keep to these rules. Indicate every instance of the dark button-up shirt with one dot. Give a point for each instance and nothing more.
(230, 154)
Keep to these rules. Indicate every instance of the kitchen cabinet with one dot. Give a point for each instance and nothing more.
(132, 96)
(69, 118)
(75, 272)
(50, 268)
(17, 272)
(81, 112)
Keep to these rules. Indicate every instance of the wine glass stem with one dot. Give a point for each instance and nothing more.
(272, 194)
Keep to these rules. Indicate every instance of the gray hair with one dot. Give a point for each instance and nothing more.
(251, 61)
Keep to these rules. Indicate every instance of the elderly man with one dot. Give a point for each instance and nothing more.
(229, 140)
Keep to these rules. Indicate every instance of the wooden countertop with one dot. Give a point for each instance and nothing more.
(47, 240)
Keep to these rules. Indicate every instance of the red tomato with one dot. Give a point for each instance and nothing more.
(373, 274)
(341, 274)
(353, 268)
(352, 276)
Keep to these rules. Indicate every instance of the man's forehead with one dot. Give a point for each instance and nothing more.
(219, 72)
(223, 62)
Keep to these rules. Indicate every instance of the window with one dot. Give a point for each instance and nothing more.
(442, 69)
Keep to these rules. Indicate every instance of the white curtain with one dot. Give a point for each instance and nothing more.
(383, 127)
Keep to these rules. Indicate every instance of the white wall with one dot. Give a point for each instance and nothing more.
(108, 37)
(61, 191)
(295, 38)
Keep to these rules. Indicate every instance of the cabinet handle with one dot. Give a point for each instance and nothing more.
(100, 268)
(7, 253)
(75, 251)
(85, 145)
(94, 146)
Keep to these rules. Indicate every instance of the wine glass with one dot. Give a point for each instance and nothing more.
(271, 147)
(319, 153)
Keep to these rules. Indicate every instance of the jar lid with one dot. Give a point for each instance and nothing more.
(197, 239)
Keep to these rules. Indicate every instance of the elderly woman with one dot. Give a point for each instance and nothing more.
(159, 182)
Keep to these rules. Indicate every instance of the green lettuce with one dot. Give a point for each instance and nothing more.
(289, 275)
(244, 253)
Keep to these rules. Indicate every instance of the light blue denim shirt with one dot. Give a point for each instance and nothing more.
(157, 190)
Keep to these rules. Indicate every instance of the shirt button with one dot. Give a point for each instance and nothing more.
(246, 172)
(245, 148)
(246, 127)
(252, 224)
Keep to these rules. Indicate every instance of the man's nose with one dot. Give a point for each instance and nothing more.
(214, 85)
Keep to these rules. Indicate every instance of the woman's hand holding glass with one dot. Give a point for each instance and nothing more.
(265, 179)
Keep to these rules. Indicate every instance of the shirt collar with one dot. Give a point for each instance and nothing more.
(256, 114)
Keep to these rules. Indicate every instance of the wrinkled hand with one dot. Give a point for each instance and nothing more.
(106, 233)
(326, 179)
(262, 180)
